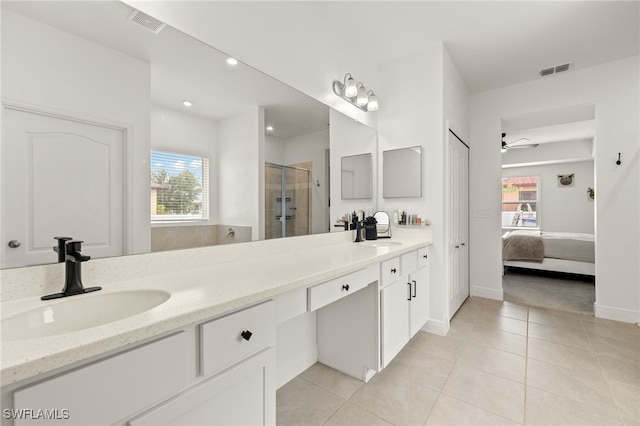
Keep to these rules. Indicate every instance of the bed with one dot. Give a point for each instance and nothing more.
(550, 251)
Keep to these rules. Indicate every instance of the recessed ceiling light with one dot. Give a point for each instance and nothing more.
(269, 128)
(232, 61)
(187, 103)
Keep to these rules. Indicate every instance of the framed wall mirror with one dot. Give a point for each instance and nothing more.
(357, 177)
(402, 173)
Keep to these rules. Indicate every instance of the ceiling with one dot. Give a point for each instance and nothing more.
(493, 43)
(184, 68)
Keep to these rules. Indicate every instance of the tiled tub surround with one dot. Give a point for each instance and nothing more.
(204, 283)
(180, 237)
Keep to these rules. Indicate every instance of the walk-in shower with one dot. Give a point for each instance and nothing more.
(287, 201)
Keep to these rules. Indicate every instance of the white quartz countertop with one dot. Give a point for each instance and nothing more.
(198, 293)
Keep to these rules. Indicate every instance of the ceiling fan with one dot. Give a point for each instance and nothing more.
(516, 144)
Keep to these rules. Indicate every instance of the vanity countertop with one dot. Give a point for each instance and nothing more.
(198, 292)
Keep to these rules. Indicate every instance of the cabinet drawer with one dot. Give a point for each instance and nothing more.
(111, 389)
(330, 291)
(409, 262)
(389, 271)
(423, 256)
(221, 340)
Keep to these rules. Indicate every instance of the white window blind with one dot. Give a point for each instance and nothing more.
(179, 187)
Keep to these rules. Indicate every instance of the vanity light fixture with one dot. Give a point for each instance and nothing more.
(232, 61)
(356, 94)
(187, 103)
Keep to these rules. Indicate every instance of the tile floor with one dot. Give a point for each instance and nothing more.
(501, 363)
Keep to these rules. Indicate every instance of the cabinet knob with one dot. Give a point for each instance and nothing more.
(393, 270)
(462, 244)
(246, 335)
(425, 256)
(457, 246)
(345, 287)
(14, 244)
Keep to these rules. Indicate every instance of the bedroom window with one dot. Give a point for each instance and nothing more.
(520, 198)
(179, 187)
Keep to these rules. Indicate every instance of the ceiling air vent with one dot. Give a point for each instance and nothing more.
(546, 71)
(555, 70)
(147, 22)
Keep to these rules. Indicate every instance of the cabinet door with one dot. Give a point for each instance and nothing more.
(242, 395)
(395, 318)
(419, 305)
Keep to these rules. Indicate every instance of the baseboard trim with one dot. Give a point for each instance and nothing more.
(616, 314)
(436, 327)
(296, 366)
(487, 293)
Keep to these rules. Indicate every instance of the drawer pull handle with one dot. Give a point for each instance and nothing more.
(393, 270)
(415, 288)
(425, 256)
(246, 335)
(409, 297)
(345, 287)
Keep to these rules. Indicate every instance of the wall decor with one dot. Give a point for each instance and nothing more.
(565, 180)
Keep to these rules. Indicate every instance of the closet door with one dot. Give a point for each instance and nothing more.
(459, 223)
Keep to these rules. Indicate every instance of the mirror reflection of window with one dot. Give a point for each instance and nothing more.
(357, 177)
(179, 187)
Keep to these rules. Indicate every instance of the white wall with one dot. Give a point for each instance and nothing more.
(348, 137)
(176, 131)
(412, 89)
(240, 171)
(562, 209)
(613, 88)
(49, 69)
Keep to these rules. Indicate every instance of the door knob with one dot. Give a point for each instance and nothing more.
(14, 244)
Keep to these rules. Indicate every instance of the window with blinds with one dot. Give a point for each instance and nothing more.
(179, 187)
(520, 199)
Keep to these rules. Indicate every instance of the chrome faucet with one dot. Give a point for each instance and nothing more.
(69, 252)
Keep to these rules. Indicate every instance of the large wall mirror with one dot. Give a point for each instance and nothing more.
(88, 94)
(402, 173)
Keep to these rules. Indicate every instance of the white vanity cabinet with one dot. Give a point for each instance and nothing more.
(237, 357)
(218, 372)
(242, 395)
(404, 303)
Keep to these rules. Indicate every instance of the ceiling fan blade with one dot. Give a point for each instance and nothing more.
(529, 145)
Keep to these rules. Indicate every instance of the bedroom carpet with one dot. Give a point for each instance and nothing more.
(552, 291)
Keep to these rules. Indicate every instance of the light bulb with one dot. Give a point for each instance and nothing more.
(362, 98)
(187, 103)
(350, 88)
(232, 61)
(373, 102)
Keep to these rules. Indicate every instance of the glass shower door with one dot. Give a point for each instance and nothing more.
(288, 201)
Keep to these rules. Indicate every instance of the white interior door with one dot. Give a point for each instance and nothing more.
(60, 177)
(459, 223)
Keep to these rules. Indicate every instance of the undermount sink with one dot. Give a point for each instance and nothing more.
(80, 312)
(378, 243)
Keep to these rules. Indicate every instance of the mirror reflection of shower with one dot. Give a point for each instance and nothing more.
(288, 200)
